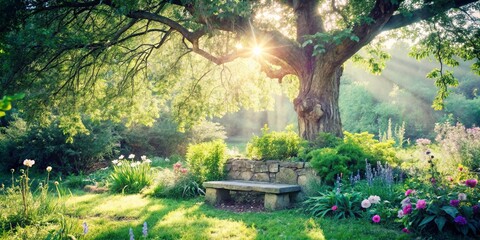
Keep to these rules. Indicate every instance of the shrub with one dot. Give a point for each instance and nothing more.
(130, 176)
(336, 204)
(206, 160)
(351, 156)
(48, 144)
(328, 163)
(179, 183)
(161, 139)
(275, 145)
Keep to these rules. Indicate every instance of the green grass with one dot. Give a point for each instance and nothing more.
(111, 217)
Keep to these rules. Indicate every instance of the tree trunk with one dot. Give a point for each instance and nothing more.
(317, 103)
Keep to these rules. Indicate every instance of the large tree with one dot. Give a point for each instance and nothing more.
(69, 40)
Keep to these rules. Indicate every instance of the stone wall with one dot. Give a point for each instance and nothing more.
(270, 171)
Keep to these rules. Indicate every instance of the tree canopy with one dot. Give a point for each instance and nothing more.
(127, 60)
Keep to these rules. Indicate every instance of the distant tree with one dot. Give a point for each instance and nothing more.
(83, 52)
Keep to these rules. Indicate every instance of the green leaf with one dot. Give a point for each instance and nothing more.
(304, 44)
(440, 221)
(426, 220)
(354, 38)
(450, 211)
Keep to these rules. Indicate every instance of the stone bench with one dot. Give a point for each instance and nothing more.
(277, 196)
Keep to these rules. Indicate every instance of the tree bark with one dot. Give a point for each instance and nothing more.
(317, 104)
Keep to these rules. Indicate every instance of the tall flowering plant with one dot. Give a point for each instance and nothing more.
(130, 175)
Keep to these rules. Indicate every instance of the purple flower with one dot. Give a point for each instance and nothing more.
(85, 228)
(376, 219)
(405, 230)
(421, 204)
(408, 192)
(145, 229)
(476, 209)
(455, 202)
(460, 220)
(471, 182)
(407, 209)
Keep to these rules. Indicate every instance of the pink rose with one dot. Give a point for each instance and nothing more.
(376, 219)
(421, 204)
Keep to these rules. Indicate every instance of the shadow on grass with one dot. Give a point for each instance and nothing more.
(111, 217)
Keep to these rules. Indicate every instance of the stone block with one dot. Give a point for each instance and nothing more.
(228, 167)
(273, 167)
(247, 176)
(262, 177)
(214, 196)
(288, 164)
(276, 201)
(287, 176)
(300, 164)
(260, 167)
(302, 180)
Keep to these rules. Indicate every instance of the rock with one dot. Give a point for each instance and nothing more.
(246, 176)
(286, 175)
(262, 177)
(273, 167)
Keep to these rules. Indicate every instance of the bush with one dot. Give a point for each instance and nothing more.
(161, 139)
(130, 176)
(48, 145)
(179, 183)
(275, 145)
(206, 160)
(351, 156)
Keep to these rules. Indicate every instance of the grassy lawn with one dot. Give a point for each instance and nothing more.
(111, 217)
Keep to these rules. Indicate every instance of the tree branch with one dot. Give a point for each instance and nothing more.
(426, 12)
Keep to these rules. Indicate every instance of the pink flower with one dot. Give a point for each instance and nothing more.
(183, 170)
(334, 208)
(421, 204)
(405, 230)
(471, 182)
(177, 165)
(407, 209)
(376, 219)
(408, 192)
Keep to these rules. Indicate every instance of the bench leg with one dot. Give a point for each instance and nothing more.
(276, 201)
(215, 195)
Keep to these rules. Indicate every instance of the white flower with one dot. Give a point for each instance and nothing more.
(131, 156)
(400, 213)
(134, 164)
(366, 203)
(143, 157)
(374, 199)
(115, 162)
(49, 169)
(167, 160)
(119, 164)
(28, 162)
(405, 202)
(462, 196)
(147, 161)
(121, 157)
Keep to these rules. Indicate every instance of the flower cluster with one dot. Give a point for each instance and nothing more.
(366, 203)
(28, 162)
(177, 167)
(120, 161)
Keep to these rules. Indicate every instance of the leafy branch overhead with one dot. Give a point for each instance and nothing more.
(128, 60)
